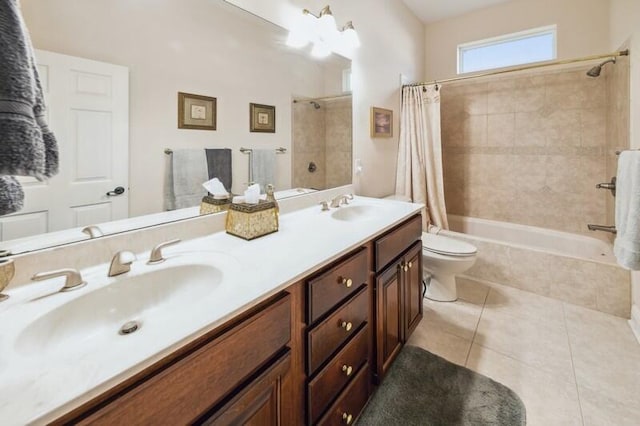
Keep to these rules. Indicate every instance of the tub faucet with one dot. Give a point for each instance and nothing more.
(604, 228)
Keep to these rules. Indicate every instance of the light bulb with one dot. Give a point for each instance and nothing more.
(350, 38)
(302, 30)
(320, 50)
(326, 24)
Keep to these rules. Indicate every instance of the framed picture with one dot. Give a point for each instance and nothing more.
(196, 112)
(381, 123)
(262, 118)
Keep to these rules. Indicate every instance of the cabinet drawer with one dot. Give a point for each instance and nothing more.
(324, 339)
(347, 408)
(330, 381)
(336, 284)
(192, 385)
(258, 403)
(395, 242)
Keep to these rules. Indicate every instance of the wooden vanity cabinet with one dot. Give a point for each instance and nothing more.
(237, 374)
(398, 291)
(308, 355)
(339, 340)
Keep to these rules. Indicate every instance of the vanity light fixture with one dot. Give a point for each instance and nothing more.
(322, 32)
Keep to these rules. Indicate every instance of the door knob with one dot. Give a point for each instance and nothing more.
(117, 191)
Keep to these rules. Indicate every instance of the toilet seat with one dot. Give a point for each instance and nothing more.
(447, 246)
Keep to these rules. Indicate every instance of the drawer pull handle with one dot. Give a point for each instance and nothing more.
(346, 325)
(406, 267)
(347, 370)
(347, 418)
(410, 265)
(348, 282)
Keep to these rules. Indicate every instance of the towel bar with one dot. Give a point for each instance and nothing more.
(280, 150)
(169, 151)
(620, 152)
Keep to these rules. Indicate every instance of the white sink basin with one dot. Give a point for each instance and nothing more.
(159, 296)
(356, 213)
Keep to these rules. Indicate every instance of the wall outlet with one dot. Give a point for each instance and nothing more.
(357, 168)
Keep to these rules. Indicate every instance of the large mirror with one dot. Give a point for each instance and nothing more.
(112, 71)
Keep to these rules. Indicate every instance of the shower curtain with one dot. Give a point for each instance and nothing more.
(419, 172)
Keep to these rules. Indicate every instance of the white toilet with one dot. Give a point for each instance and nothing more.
(442, 259)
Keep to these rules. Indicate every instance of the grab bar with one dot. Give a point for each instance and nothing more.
(611, 229)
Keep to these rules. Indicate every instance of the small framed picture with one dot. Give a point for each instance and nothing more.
(196, 112)
(262, 118)
(381, 123)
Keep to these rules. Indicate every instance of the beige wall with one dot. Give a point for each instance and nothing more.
(207, 48)
(582, 29)
(527, 149)
(624, 20)
(625, 25)
(392, 44)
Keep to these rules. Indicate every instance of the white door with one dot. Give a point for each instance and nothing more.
(88, 110)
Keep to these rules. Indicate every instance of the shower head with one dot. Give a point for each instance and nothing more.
(315, 104)
(595, 71)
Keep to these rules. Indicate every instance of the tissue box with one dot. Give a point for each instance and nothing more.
(213, 205)
(251, 221)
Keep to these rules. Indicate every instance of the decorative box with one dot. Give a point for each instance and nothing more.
(214, 205)
(251, 221)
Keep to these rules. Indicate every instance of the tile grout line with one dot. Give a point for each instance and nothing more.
(473, 338)
(575, 376)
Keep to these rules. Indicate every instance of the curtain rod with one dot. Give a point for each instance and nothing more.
(526, 67)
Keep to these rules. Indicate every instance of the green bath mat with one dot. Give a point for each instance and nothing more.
(423, 389)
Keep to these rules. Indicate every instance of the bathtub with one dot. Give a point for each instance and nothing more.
(573, 268)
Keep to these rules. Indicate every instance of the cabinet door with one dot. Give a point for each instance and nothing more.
(412, 287)
(259, 403)
(389, 323)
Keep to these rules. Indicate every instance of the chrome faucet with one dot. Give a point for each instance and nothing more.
(73, 279)
(156, 253)
(121, 263)
(604, 228)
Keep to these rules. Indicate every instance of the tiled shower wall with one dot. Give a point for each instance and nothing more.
(527, 149)
(308, 146)
(322, 136)
(339, 150)
(618, 113)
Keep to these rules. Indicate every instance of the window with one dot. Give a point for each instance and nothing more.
(525, 47)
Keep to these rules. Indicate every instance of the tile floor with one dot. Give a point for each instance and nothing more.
(569, 365)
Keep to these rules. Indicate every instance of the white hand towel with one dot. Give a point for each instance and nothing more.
(627, 244)
(185, 172)
(263, 167)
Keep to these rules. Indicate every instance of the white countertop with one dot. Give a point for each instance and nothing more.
(40, 386)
